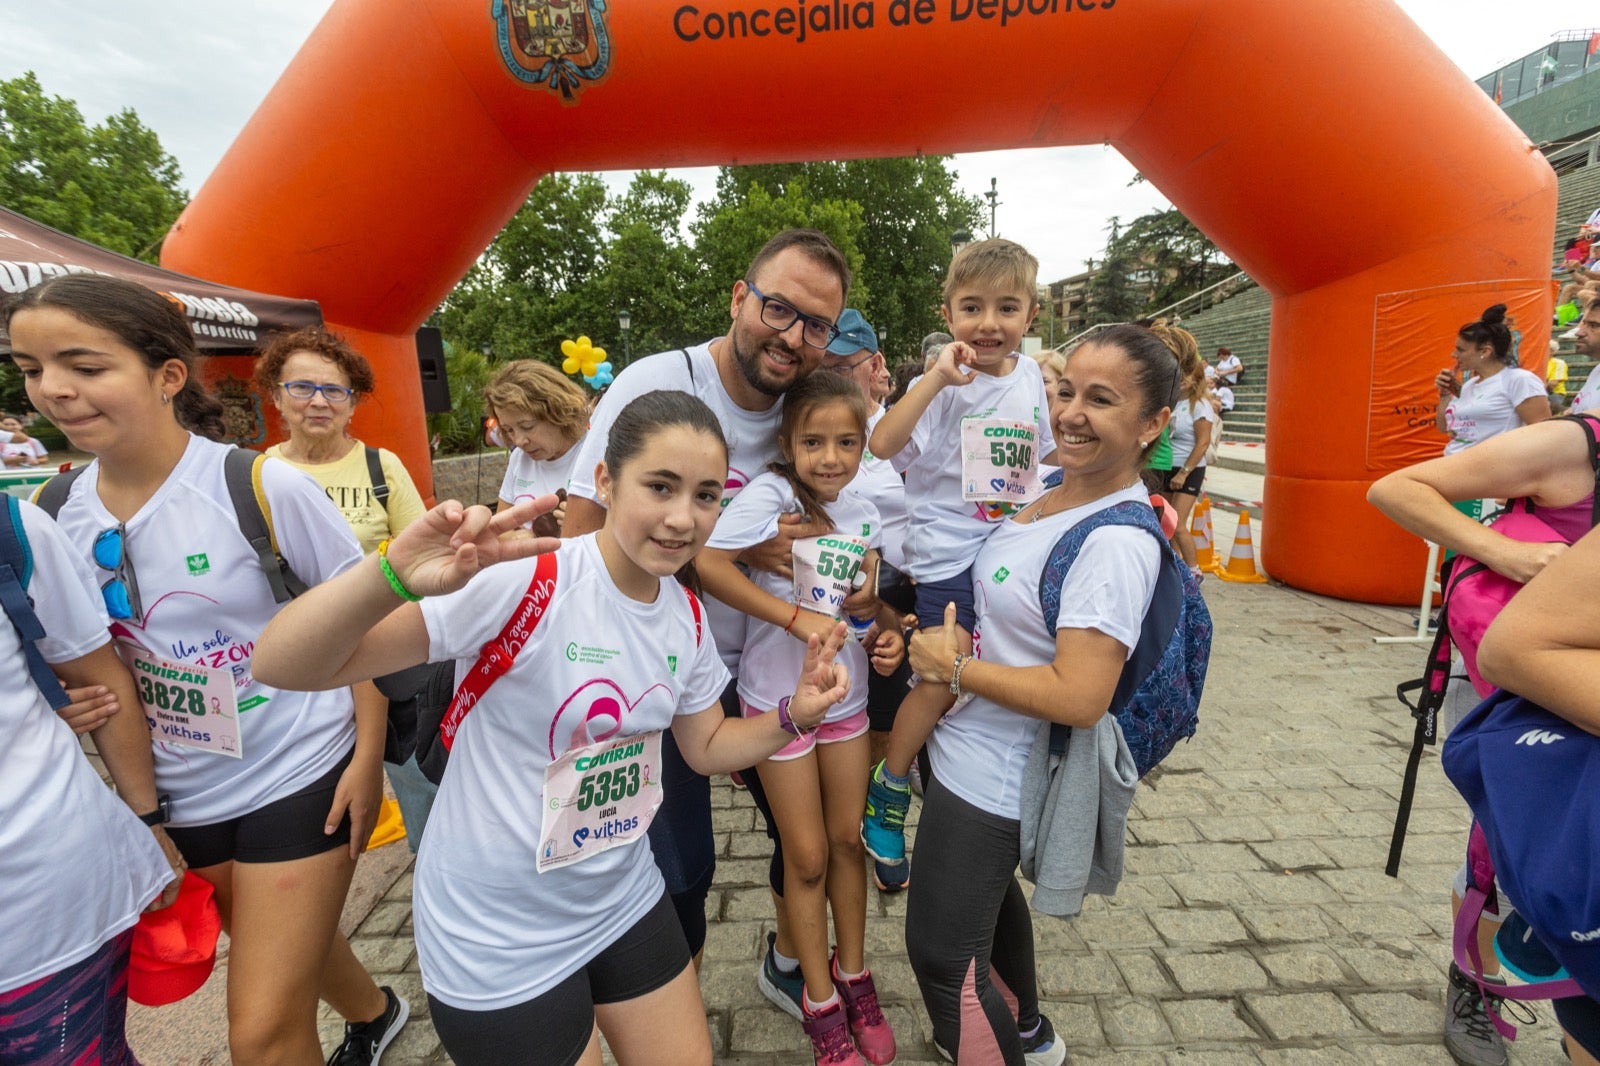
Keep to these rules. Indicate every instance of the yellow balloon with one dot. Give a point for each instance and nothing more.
(599, 354)
(589, 369)
(584, 342)
(569, 365)
(570, 350)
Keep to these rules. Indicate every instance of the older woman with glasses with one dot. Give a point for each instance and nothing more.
(314, 379)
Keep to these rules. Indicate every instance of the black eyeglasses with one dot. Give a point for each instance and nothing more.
(121, 590)
(304, 390)
(845, 368)
(818, 332)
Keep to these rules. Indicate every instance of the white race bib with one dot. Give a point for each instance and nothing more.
(599, 797)
(185, 703)
(825, 571)
(999, 460)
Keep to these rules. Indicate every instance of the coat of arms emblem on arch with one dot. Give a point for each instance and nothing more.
(560, 44)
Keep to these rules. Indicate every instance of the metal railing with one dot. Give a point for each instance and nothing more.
(1194, 302)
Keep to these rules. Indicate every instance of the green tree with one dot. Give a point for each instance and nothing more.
(1157, 260)
(909, 206)
(535, 284)
(112, 184)
(730, 231)
(1111, 295)
(647, 268)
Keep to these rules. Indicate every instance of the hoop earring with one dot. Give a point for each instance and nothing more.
(165, 398)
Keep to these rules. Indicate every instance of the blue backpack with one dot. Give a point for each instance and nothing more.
(1157, 701)
(16, 570)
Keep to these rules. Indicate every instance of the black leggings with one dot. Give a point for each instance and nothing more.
(968, 931)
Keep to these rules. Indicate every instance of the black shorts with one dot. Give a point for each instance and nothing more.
(553, 1029)
(285, 829)
(1191, 484)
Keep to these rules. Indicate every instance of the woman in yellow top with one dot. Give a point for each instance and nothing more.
(315, 379)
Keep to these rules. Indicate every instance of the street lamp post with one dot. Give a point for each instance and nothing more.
(624, 323)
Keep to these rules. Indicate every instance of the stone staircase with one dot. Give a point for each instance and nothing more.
(1241, 322)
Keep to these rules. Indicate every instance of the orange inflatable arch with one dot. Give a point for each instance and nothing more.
(1330, 149)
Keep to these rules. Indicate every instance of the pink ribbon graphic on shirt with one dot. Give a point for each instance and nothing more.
(598, 708)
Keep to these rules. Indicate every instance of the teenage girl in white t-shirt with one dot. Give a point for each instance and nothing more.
(270, 794)
(816, 785)
(542, 416)
(539, 912)
(967, 922)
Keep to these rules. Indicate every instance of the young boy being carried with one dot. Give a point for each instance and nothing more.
(969, 436)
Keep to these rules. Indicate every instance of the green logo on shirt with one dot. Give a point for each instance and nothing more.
(672, 664)
(866, 529)
(1000, 575)
(198, 564)
(572, 653)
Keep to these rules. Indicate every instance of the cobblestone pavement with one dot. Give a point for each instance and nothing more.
(1255, 924)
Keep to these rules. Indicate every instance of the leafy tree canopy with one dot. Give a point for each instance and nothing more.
(112, 184)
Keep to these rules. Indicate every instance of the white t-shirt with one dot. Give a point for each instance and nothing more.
(27, 448)
(1184, 416)
(527, 478)
(979, 751)
(76, 864)
(206, 601)
(1228, 368)
(945, 531)
(752, 443)
(491, 931)
(1225, 397)
(878, 481)
(1588, 397)
(1487, 407)
(772, 658)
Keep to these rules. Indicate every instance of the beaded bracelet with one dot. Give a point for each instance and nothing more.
(392, 577)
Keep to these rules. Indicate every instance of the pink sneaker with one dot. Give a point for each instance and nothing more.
(830, 1036)
(867, 1024)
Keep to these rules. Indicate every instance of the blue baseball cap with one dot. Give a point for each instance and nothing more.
(855, 334)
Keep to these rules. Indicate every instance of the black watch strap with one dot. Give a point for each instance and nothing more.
(161, 815)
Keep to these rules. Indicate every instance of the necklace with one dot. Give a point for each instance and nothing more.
(1044, 510)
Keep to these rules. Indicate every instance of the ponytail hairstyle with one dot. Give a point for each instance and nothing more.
(807, 395)
(1493, 329)
(646, 416)
(144, 320)
(1191, 368)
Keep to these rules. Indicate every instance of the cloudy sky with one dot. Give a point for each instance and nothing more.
(194, 70)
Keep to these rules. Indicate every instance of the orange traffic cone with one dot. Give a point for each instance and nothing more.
(1242, 561)
(1205, 555)
(1211, 538)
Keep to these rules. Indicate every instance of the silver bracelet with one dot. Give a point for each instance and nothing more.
(955, 672)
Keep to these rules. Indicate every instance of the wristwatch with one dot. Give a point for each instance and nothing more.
(161, 815)
(787, 724)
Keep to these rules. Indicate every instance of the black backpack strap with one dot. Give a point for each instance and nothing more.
(16, 567)
(52, 495)
(380, 487)
(241, 470)
(1587, 422)
(1430, 689)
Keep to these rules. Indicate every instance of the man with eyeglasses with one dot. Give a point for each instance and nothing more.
(783, 312)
